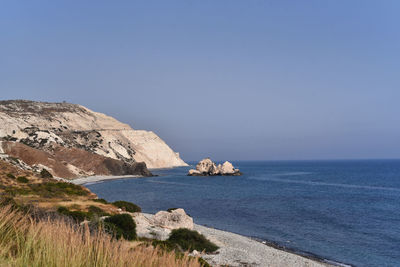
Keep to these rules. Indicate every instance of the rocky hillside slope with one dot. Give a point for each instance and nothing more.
(82, 141)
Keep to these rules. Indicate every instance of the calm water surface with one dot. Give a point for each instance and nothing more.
(347, 211)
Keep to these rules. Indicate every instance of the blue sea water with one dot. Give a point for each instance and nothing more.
(346, 211)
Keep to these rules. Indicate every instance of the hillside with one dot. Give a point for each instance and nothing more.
(71, 141)
(45, 222)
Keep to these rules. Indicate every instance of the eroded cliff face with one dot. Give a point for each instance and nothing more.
(54, 127)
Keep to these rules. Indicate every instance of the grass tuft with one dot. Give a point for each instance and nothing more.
(56, 242)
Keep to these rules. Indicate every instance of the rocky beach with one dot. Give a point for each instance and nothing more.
(234, 250)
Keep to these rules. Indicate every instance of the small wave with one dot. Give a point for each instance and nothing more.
(291, 173)
(337, 263)
(329, 184)
(92, 183)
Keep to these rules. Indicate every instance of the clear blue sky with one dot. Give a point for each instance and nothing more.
(233, 80)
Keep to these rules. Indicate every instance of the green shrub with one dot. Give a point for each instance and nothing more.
(166, 245)
(191, 240)
(179, 252)
(51, 189)
(22, 179)
(100, 200)
(45, 174)
(125, 226)
(10, 175)
(78, 216)
(127, 206)
(112, 229)
(98, 211)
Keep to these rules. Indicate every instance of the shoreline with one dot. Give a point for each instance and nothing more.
(236, 249)
(240, 250)
(99, 178)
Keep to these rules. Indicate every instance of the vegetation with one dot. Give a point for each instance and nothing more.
(33, 234)
(52, 189)
(100, 200)
(55, 242)
(22, 179)
(123, 226)
(78, 216)
(190, 240)
(127, 206)
(45, 174)
(97, 211)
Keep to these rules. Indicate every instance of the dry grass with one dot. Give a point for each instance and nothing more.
(46, 242)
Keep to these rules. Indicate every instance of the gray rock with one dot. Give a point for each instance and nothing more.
(160, 225)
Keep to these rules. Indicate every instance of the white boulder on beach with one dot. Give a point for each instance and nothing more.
(160, 225)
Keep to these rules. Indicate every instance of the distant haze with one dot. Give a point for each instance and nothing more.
(235, 80)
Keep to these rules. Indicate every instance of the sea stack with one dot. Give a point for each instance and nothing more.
(207, 167)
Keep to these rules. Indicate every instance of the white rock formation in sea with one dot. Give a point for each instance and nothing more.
(51, 126)
(160, 225)
(206, 167)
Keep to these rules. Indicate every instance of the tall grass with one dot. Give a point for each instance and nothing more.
(55, 242)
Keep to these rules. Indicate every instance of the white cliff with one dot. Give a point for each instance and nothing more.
(44, 126)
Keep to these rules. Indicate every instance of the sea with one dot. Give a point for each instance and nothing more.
(344, 211)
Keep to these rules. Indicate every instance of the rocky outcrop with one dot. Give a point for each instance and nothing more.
(70, 162)
(70, 129)
(160, 225)
(207, 167)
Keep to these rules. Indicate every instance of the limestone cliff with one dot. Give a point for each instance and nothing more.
(69, 129)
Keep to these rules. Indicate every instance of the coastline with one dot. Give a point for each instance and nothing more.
(99, 178)
(239, 250)
(236, 249)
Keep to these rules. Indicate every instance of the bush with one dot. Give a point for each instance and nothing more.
(100, 200)
(10, 175)
(22, 179)
(45, 174)
(58, 189)
(78, 216)
(125, 226)
(127, 206)
(191, 240)
(98, 211)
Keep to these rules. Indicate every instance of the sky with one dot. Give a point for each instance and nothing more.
(232, 80)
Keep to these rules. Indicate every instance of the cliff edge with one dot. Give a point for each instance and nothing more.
(72, 134)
